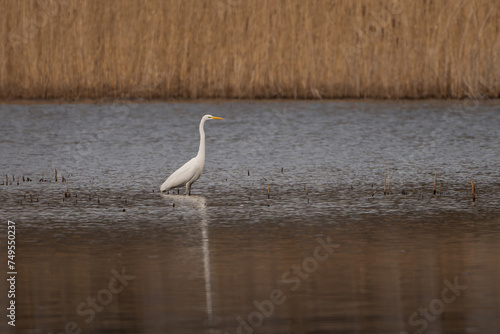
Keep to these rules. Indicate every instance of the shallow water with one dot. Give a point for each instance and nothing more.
(202, 263)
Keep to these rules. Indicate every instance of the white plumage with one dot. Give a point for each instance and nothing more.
(191, 170)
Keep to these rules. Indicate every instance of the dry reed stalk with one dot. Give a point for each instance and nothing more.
(55, 171)
(249, 49)
(435, 181)
(385, 178)
(388, 183)
(473, 190)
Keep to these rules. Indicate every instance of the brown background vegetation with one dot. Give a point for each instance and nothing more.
(249, 49)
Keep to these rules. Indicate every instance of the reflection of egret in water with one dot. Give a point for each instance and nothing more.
(199, 204)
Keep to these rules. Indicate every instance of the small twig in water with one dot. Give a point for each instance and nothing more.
(435, 180)
(388, 183)
(385, 178)
(473, 190)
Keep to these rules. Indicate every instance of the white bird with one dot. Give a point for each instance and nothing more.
(191, 170)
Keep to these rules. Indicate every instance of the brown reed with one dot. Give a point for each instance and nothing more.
(385, 178)
(473, 190)
(249, 49)
(435, 182)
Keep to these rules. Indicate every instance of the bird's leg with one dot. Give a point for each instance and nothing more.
(188, 189)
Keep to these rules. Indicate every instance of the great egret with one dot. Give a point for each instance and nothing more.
(191, 170)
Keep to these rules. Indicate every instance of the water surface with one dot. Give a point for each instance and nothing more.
(279, 177)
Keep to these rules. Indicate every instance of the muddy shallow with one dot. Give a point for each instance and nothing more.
(203, 264)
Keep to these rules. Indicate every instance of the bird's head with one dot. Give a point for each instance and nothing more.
(211, 117)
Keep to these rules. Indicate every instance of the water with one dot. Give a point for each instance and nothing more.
(215, 261)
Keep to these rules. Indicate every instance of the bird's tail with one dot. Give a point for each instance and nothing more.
(164, 187)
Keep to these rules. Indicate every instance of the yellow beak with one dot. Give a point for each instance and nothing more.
(213, 117)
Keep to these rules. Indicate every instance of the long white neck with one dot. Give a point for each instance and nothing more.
(201, 150)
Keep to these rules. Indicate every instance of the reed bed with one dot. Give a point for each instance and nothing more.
(68, 49)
